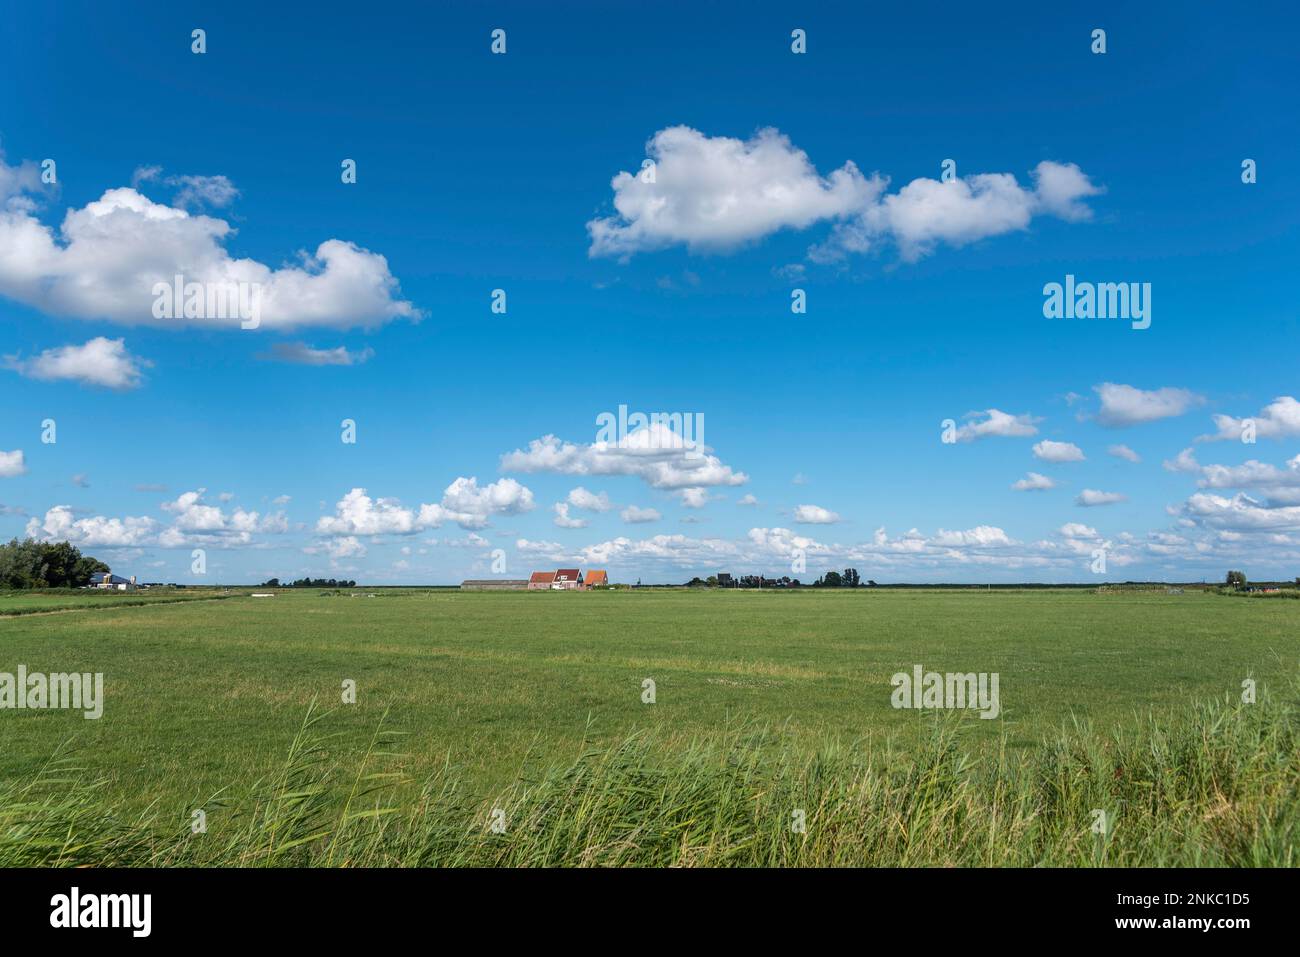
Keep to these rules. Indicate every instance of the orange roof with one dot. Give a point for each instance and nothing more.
(597, 577)
(542, 578)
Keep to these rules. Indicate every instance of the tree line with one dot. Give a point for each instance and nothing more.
(832, 579)
(32, 564)
(309, 583)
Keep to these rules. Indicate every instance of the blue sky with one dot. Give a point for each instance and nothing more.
(775, 171)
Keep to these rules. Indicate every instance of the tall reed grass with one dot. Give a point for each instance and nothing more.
(1218, 785)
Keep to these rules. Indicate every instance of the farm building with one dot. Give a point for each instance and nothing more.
(494, 584)
(111, 581)
(541, 581)
(596, 578)
(567, 578)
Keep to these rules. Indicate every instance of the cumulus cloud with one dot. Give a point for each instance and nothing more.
(655, 454)
(12, 464)
(1123, 405)
(996, 423)
(1052, 451)
(1185, 461)
(562, 518)
(1240, 512)
(99, 362)
(815, 515)
(300, 353)
(591, 501)
(748, 500)
(693, 497)
(1123, 452)
(1090, 497)
(464, 502)
(1033, 482)
(104, 258)
(1280, 419)
(1077, 530)
(715, 193)
(634, 515)
(61, 524)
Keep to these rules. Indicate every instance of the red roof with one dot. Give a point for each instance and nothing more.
(567, 574)
(597, 577)
(542, 578)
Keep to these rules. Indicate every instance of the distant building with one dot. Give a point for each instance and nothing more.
(112, 582)
(596, 578)
(724, 579)
(494, 584)
(541, 581)
(567, 578)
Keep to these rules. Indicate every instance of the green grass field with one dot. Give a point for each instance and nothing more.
(494, 689)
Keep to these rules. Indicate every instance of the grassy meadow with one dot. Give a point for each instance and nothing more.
(765, 703)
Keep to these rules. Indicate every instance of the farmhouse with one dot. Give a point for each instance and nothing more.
(111, 581)
(541, 581)
(567, 579)
(494, 584)
(596, 578)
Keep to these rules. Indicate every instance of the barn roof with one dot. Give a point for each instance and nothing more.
(542, 578)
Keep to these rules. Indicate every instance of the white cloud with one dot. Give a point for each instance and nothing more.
(1091, 496)
(592, 502)
(634, 514)
(1124, 452)
(1185, 461)
(1123, 405)
(463, 502)
(982, 536)
(562, 518)
(59, 524)
(996, 423)
(748, 500)
(1051, 451)
(927, 212)
(655, 454)
(1240, 512)
(100, 361)
(203, 191)
(1077, 530)
(104, 259)
(12, 464)
(358, 514)
(717, 193)
(1033, 482)
(1280, 419)
(815, 515)
(694, 497)
(300, 353)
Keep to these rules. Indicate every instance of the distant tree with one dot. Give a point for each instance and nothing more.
(851, 579)
(871, 583)
(832, 579)
(32, 564)
(711, 581)
(1236, 579)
